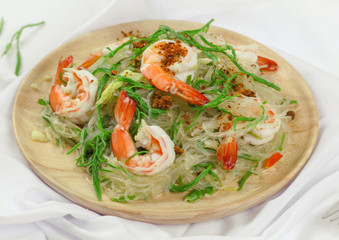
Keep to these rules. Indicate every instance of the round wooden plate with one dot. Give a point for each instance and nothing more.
(59, 171)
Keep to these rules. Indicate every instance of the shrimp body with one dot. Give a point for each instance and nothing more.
(74, 91)
(265, 130)
(166, 64)
(153, 138)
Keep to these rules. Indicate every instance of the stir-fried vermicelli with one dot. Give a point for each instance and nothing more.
(169, 112)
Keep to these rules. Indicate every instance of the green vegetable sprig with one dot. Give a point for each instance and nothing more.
(175, 128)
(246, 119)
(248, 173)
(197, 193)
(2, 21)
(16, 37)
(185, 187)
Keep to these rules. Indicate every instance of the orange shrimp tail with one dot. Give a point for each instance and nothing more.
(164, 81)
(124, 110)
(270, 64)
(122, 143)
(227, 153)
(90, 60)
(188, 93)
(63, 63)
(54, 97)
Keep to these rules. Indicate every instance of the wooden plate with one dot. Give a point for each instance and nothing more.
(60, 172)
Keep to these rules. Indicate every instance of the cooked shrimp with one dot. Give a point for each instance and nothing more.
(250, 57)
(74, 90)
(267, 64)
(227, 152)
(265, 130)
(166, 64)
(160, 147)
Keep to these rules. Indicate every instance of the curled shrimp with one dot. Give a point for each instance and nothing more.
(153, 138)
(166, 64)
(74, 90)
(265, 130)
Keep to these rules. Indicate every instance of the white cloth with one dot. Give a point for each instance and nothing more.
(303, 32)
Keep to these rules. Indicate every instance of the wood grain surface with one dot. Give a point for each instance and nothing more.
(59, 171)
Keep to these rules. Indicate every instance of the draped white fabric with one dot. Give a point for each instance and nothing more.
(303, 32)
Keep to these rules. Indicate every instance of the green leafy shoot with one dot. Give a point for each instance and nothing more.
(132, 83)
(185, 187)
(2, 22)
(237, 119)
(135, 154)
(212, 104)
(246, 119)
(280, 146)
(189, 79)
(16, 37)
(195, 120)
(196, 194)
(43, 102)
(242, 181)
(47, 120)
(62, 80)
(112, 53)
(123, 198)
(175, 127)
(199, 82)
(196, 31)
(258, 120)
(144, 107)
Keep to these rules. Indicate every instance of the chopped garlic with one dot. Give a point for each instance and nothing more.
(35, 86)
(212, 144)
(39, 136)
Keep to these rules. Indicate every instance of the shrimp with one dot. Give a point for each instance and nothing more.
(267, 64)
(262, 133)
(250, 57)
(74, 90)
(265, 130)
(160, 147)
(166, 64)
(227, 152)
